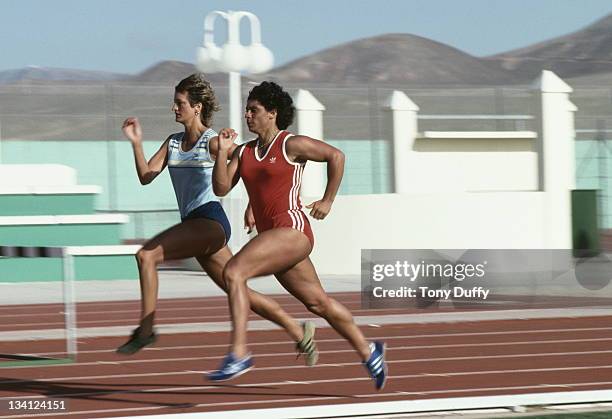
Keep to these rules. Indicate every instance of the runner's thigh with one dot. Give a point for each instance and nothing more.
(269, 252)
(193, 237)
(302, 282)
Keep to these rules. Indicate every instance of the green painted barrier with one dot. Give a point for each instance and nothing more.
(60, 204)
(585, 226)
(103, 267)
(61, 234)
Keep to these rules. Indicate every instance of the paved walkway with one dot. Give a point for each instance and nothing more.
(172, 284)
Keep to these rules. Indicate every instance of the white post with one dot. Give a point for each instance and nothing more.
(571, 158)
(310, 123)
(236, 201)
(555, 147)
(402, 116)
(234, 58)
(235, 103)
(69, 303)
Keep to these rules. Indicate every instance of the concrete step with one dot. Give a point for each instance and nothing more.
(48, 200)
(61, 230)
(90, 263)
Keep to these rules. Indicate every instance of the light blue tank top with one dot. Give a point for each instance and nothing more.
(191, 172)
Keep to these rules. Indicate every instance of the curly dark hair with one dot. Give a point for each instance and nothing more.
(273, 97)
(199, 90)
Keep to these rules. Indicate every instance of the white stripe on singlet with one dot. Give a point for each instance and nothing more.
(297, 196)
(293, 198)
(295, 222)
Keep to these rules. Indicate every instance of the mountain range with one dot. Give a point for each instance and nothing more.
(584, 56)
(588, 51)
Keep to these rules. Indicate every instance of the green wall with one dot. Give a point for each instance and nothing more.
(60, 204)
(110, 165)
(51, 269)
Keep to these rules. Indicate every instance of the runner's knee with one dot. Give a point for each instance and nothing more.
(145, 257)
(319, 306)
(232, 274)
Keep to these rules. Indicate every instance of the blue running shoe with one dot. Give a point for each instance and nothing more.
(376, 364)
(231, 367)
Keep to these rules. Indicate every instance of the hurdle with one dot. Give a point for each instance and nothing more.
(66, 255)
(67, 285)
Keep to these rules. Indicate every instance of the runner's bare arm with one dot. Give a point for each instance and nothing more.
(147, 170)
(301, 148)
(214, 147)
(225, 174)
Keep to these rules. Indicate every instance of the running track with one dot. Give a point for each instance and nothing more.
(438, 359)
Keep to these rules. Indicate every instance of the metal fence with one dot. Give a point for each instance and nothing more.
(593, 146)
(94, 112)
(354, 118)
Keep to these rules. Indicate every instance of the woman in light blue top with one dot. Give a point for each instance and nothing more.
(204, 230)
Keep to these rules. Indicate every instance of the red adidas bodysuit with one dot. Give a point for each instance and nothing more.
(273, 183)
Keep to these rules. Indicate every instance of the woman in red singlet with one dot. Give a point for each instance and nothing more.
(271, 167)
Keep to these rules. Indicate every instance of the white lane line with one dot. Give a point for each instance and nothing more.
(183, 307)
(350, 351)
(274, 401)
(151, 408)
(179, 301)
(578, 406)
(337, 410)
(395, 319)
(394, 337)
(208, 307)
(219, 357)
(335, 365)
(165, 320)
(204, 305)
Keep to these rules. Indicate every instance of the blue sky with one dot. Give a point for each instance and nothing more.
(129, 36)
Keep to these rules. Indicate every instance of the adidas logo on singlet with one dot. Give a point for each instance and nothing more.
(272, 160)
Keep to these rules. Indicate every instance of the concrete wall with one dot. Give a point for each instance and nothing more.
(463, 190)
(481, 220)
(452, 189)
(472, 164)
(426, 221)
(23, 175)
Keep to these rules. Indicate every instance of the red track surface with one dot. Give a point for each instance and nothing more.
(435, 360)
